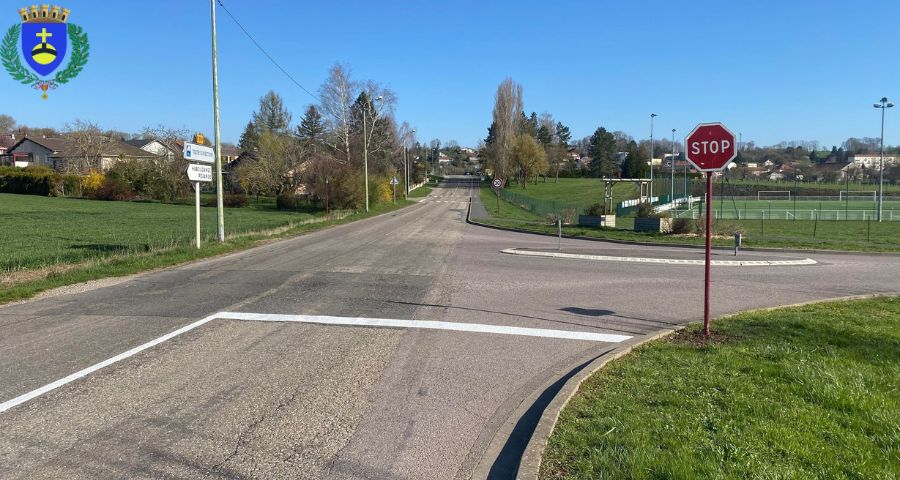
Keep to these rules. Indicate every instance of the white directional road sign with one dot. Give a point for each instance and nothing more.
(199, 153)
(199, 173)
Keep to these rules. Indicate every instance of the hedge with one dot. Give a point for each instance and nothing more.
(41, 181)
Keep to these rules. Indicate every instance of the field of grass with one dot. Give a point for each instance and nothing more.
(51, 242)
(39, 231)
(805, 234)
(580, 193)
(800, 393)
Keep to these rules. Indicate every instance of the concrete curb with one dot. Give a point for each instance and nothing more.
(530, 465)
(682, 245)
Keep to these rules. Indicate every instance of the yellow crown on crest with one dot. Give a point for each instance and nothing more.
(44, 14)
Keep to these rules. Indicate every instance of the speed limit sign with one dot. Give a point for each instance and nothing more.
(497, 183)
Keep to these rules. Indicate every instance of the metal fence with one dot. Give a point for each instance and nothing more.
(540, 206)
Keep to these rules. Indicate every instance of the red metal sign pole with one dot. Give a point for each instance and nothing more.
(708, 252)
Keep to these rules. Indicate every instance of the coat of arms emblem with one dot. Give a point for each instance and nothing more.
(47, 40)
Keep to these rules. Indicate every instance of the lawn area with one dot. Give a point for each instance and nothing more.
(51, 242)
(579, 193)
(39, 231)
(800, 393)
(805, 234)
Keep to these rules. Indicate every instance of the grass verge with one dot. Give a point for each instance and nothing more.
(420, 192)
(804, 392)
(130, 262)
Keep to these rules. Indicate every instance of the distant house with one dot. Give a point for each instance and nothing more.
(828, 172)
(152, 146)
(229, 154)
(59, 153)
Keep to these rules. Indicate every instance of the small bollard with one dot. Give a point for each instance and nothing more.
(737, 243)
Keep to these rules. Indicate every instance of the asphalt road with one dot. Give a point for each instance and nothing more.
(253, 399)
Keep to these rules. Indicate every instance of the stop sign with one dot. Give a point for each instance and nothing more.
(710, 147)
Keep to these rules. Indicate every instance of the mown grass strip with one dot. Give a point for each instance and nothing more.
(804, 392)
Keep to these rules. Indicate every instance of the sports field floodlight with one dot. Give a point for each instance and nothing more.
(883, 105)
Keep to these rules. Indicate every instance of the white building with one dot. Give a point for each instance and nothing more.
(873, 160)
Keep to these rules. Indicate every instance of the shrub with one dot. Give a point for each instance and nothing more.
(113, 189)
(646, 210)
(379, 189)
(287, 201)
(235, 200)
(92, 182)
(68, 186)
(683, 225)
(596, 210)
(568, 215)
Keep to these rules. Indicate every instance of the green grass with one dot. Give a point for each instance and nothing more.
(51, 242)
(580, 193)
(420, 192)
(801, 209)
(39, 231)
(802, 234)
(801, 393)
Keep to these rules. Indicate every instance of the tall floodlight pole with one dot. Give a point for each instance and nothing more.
(652, 116)
(366, 158)
(406, 158)
(883, 105)
(672, 167)
(220, 210)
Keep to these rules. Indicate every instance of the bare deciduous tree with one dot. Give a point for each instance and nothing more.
(507, 114)
(87, 145)
(337, 95)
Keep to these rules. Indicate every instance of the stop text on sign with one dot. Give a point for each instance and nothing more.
(708, 146)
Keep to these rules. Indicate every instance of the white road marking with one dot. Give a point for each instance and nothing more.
(426, 324)
(93, 368)
(666, 261)
(321, 320)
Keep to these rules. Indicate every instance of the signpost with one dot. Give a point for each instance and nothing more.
(497, 184)
(394, 183)
(198, 174)
(710, 147)
(199, 153)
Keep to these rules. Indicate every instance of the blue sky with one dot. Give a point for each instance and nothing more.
(785, 70)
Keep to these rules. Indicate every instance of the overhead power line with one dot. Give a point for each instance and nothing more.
(263, 50)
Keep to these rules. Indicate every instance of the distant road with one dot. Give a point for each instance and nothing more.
(393, 347)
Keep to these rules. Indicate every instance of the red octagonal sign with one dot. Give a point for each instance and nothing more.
(710, 147)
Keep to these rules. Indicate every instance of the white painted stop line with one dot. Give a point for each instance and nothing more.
(320, 320)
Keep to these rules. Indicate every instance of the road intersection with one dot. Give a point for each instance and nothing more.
(393, 347)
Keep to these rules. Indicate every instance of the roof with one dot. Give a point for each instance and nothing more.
(61, 147)
(140, 142)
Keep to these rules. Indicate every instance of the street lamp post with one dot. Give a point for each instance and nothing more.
(652, 116)
(883, 105)
(672, 167)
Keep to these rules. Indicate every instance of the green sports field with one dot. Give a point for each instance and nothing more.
(799, 209)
